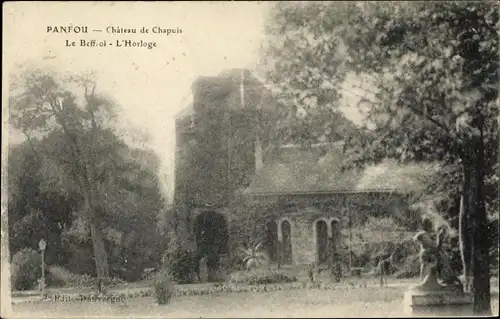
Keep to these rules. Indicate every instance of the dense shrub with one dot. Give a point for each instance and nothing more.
(375, 239)
(149, 274)
(261, 276)
(182, 265)
(409, 268)
(58, 276)
(164, 287)
(26, 269)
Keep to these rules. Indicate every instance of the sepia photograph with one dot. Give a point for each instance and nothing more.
(250, 159)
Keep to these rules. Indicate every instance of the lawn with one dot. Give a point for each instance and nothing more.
(341, 302)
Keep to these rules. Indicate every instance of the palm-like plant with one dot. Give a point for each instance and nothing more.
(254, 256)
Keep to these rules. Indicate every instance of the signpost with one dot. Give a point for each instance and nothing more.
(42, 245)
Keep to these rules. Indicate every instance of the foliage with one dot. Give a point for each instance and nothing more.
(164, 287)
(43, 214)
(229, 288)
(261, 277)
(377, 232)
(61, 277)
(43, 105)
(58, 276)
(90, 191)
(375, 239)
(182, 265)
(427, 79)
(203, 158)
(26, 269)
(254, 256)
(129, 230)
(410, 268)
(248, 227)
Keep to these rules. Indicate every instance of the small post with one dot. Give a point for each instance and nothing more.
(42, 245)
(350, 242)
(310, 272)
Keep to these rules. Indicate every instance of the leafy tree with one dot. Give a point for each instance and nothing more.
(428, 89)
(43, 105)
(79, 155)
(379, 238)
(132, 207)
(42, 214)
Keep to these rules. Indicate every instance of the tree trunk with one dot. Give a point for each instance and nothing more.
(100, 254)
(474, 172)
(480, 244)
(465, 232)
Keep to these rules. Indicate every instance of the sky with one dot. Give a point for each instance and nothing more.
(151, 86)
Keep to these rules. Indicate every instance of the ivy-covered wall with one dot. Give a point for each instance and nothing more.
(248, 218)
(216, 140)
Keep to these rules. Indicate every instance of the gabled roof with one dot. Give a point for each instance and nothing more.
(292, 170)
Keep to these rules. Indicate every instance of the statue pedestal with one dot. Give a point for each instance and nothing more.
(438, 303)
(431, 299)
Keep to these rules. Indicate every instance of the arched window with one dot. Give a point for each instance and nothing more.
(335, 239)
(321, 242)
(272, 241)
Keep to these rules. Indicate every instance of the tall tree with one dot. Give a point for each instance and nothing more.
(35, 209)
(429, 88)
(43, 105)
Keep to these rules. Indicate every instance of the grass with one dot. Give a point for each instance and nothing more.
(344, 301)
(341, 302)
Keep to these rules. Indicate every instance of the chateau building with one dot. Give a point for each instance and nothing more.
(309, 199)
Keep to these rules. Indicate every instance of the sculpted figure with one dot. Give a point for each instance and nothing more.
(446, 274)
(434, 263)
(428, 248)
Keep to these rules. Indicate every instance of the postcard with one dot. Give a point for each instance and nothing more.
(249, 159)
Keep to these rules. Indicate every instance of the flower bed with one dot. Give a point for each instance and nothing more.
(186, 291)
(261, 277)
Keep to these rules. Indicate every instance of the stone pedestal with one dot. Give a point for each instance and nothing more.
(431, 299)
(444, 302)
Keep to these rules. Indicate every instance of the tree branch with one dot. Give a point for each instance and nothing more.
(30, 142)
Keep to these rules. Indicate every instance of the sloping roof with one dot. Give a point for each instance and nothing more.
(292, 170)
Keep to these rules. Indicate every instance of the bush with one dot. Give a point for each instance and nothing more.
(164, 287)
(149, 274)
(261, 276)
(409, 268)
(59, 276)
(26, 269)
(182, 265)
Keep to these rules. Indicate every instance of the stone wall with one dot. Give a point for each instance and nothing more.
(215, 153)
(303, 211)
(303, 243)
(304, 237)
